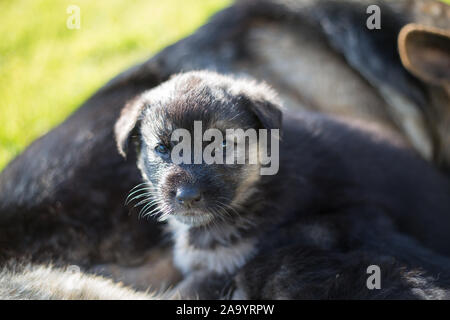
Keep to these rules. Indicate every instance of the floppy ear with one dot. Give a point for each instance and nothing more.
(128, 124)
(425, 52)
(268, 113)
(265, 108)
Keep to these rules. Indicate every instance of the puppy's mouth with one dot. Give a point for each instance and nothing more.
(193, 218)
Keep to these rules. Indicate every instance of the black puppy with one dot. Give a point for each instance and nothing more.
(338, 187)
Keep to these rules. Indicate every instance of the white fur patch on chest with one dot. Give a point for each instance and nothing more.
(221, 259)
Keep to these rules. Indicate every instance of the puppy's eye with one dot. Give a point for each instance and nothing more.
(162, 150)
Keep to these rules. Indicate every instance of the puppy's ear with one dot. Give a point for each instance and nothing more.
(425, 52)
(128, 124)
(266, 109)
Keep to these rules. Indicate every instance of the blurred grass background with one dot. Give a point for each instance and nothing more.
(47, 70)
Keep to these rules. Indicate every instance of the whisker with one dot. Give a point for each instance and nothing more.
(222, 209)
(146, 194)
(142, 202)
(148, 205)
(152, 212)
(134, 192)
(140, 184)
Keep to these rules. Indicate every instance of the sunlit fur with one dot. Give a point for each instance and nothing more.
(44, 282)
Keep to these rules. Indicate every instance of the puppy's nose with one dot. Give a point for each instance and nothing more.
(188, 195)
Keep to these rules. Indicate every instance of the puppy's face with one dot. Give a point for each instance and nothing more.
(194, 191)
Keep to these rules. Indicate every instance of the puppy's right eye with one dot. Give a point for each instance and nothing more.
(162, 150)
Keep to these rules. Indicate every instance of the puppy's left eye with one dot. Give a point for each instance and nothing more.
(162, 149)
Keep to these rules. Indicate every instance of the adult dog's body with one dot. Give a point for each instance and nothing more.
(62, 199)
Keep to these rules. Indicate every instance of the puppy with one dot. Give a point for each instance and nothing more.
(338, 186)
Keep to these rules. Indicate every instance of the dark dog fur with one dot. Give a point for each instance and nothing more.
(311, 273)
(339, 187)
(62, 198)
(75, 192)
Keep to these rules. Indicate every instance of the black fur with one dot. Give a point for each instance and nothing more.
(310, 273)
(374, 53)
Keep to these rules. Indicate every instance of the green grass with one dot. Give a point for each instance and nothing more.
(47, 70)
